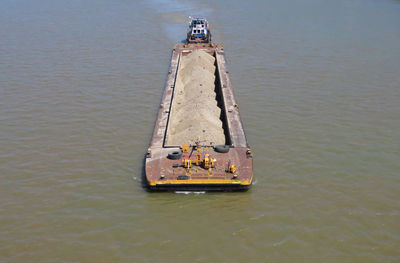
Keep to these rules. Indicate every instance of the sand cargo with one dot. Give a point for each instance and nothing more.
(198, 141)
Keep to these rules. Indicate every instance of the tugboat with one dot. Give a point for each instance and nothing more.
(198, 141)
(199, 31)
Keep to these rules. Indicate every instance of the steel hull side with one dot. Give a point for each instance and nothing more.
(200, 187)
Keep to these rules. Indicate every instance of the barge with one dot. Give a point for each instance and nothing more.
(198, 142)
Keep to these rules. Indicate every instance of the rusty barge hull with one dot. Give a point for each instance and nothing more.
(200, 168)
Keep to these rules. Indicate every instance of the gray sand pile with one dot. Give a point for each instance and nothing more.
(194, 109)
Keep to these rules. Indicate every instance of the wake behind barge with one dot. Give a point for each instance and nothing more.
(198, 141)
